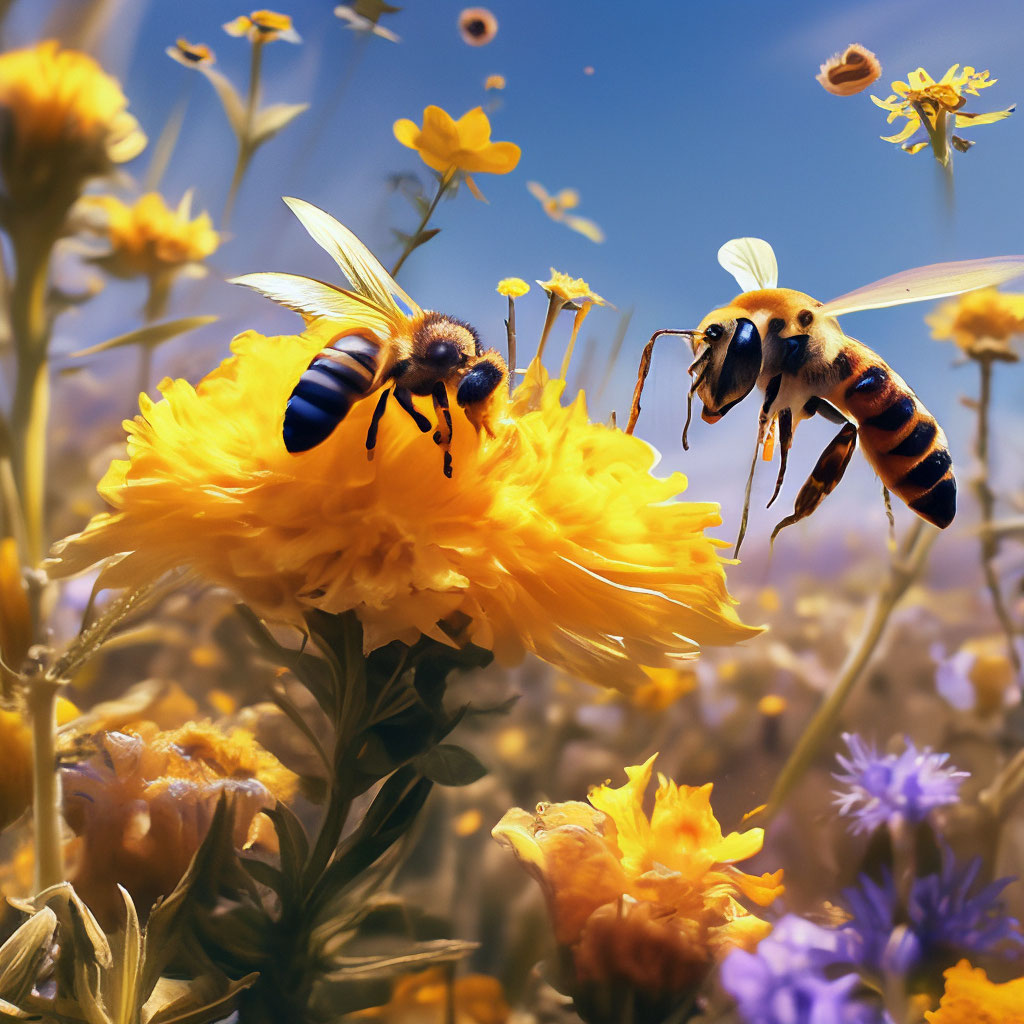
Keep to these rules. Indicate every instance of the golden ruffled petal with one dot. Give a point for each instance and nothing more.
(969, 120)
(908, 129)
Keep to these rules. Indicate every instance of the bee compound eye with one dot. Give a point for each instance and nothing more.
(713, 332)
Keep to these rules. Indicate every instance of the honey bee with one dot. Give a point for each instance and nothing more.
(791, 347)
(382, 340)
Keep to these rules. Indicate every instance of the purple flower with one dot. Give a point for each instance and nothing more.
(880, 789)
(947, 916)
(785, 981)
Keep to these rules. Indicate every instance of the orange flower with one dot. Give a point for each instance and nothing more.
(850, 72)
(263, 27)
(970, 998)
(422, 998)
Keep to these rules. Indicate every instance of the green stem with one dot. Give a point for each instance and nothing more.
(510, 329)
(412, 241)
(555, 304)
(905, 568)
(986, 500)
(41, 695)
(245, 146)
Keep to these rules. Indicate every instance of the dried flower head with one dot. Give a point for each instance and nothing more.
(191, 54)
(148, 237)
(937, 107)
(263, 27)
(477, 26)
(970, 998)
(982, 323)
(449, 146)
(665, 887)
(66, 121)
(552, 536)
(570, 289)
(142, 804)
(883, 789)
(850, 72)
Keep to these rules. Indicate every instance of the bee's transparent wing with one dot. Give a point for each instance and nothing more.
(932, 282)
(752, 262)
(357, 263)
(316, 299)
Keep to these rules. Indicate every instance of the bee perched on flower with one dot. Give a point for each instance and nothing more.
(938, 108)
(551, 537)
(642, 904)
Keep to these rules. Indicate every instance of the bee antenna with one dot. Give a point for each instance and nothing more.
(643, 370)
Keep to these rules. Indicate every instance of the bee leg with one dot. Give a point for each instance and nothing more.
(404, 398)
(770, 394)
(371, 434)
(443, 434)
(785, 443)
(827, 473)
(887, 498)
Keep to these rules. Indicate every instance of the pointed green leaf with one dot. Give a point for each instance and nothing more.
(270, 120)
(450, 765)
(151, 335)
(205, 1000)
(234, 106)
(23, 953)
(418, 955)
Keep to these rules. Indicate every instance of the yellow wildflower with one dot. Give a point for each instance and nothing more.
(263, 27)
(66, 121)
(513, 287)
(148, 238)
(557, 208)
(664, 686)
(771, 705)
(16, 759)
(981, 322)
(15, 614)
(477, 26)
(552, 537)
(970, 998)
(616, 880)
(449, 146)
(143, 803)
(191, 54)
(494, 82)
(423, 999)
(570, 289)
(937, 106)
(850, 72)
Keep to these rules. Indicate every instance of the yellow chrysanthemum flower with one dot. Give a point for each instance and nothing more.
(422, 998)
(616, 880)
(449, 146)
(970, 998)
(923, 102)
(552, 537)
(513, 287)
(981, 322)
(263, 27)
(191, 54)
(570, 289)
(148, 238)
(143, 803)
(66, 120)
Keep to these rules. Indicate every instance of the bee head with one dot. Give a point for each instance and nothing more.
(728, 349)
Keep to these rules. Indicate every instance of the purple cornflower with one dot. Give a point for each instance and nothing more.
(947, 916)
(785, 981)
(880, 789)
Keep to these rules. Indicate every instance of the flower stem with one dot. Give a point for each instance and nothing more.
(986, 500)
(905, 568)
(510, 329)
(245, 146)
(555, 304)
(412, 241)
(577, 323)
(41, 695)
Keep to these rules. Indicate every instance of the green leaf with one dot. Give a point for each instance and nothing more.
(426, 236)
(269, 121)
(121, 981)
(266, 874)
(23, 954)
(149, 336)
(234, 106)
(450, 765)
(417, 954)
(292, 839)
(206, 999)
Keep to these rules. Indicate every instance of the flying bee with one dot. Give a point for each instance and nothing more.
(383, 341)
(791, 347)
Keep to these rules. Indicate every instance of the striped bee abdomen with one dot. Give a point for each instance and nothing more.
(340, 375)
(900, 438)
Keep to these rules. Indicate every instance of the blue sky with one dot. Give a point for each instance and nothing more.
(700, 122)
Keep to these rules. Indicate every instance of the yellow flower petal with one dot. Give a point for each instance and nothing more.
(448, 146)
(968, 120)
(513, 287)
(908, 129)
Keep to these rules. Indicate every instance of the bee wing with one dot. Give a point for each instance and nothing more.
(315, 299)
(751, 261)
(932, 282)
(357, 263)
